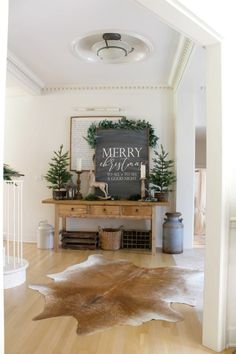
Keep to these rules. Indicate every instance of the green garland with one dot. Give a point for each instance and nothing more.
(122, 123)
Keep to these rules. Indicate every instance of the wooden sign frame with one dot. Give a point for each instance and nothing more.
(118, 157)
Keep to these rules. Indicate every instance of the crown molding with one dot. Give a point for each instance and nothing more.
(65, 89)
(23, 74)
(181, 59)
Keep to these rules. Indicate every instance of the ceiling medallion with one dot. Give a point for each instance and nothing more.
(111, 47)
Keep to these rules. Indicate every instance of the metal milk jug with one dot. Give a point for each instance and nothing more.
(173, 233)
(45, 235)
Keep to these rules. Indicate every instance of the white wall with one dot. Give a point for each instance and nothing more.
(185, 161)
(190, 111)
(37, 125)
(200, 98)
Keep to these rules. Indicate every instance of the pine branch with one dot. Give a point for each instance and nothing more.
(9, 173)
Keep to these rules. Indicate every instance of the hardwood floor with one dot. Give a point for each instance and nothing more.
(58, 335)
(199, 241)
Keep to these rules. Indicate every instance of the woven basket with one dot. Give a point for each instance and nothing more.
(110, 239)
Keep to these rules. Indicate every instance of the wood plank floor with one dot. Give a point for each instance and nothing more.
(58, 335)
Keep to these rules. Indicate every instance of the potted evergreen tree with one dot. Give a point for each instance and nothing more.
(162, 175)
(58, 174)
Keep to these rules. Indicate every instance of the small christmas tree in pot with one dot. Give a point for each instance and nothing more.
(162, 175)
(58, 174)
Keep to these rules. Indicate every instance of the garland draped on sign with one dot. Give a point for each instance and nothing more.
(122, 123)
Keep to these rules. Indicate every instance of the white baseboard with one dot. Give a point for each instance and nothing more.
(231, 337)
(29, 241)
(24, 241)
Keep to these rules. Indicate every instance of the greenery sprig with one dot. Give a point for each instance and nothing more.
(9, 173)
(91, 196)
(122, 123)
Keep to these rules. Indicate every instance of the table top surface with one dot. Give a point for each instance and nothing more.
(104, 202)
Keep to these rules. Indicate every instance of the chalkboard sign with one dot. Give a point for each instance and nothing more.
(118, 159)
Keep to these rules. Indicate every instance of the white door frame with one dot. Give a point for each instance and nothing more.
(3, 61)
(214, 316)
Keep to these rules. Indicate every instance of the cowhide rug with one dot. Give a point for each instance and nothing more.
(102, 293)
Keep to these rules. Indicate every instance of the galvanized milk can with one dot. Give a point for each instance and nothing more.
(173, 233)
(45, 235)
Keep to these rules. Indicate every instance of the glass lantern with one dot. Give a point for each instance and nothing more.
(71, 190)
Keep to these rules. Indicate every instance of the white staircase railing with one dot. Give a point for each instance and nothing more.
(14, 263)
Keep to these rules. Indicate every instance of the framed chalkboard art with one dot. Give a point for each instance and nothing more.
(120, 155)
(81, 153)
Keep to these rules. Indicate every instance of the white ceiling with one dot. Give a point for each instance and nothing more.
(40, 33)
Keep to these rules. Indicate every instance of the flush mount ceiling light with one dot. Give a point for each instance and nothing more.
(111, 47)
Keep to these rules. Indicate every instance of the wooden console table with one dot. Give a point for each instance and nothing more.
(117, 209)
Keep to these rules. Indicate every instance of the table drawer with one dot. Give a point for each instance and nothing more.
(72, 210)
(136, 211)
(104, 210)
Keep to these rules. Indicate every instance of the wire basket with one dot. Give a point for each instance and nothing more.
(136, 239)
(110, 239)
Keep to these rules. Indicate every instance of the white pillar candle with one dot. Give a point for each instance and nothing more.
(143, 171)
(78, 164)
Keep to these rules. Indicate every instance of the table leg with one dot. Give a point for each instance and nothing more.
(64, 223)
(56, 229)
(154, 230)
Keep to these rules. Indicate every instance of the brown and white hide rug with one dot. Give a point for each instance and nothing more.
(102, 293)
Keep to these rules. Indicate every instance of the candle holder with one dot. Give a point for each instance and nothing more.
(78, 194)
(143, 187)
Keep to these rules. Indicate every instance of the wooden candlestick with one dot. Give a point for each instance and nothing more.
(142, 188)
(78, 194)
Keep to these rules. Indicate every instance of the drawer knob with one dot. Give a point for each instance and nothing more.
(136, 210)
(72, 209)
(104, 209)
